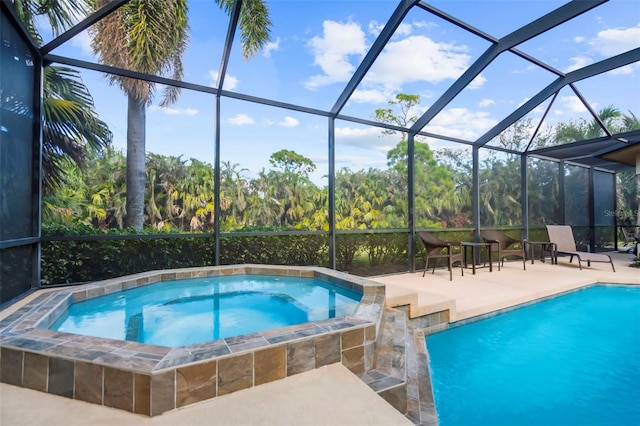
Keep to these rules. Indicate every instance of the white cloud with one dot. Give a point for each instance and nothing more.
(174, 111)
(374, 96)
(332, 51)
(230, 82)
(407, 58)
(289, 122)
(406, 61)
(477, 82)
(403, 30)
(353, 133)
(240, 120)
(540, 109)
(486, 102)
(83, 41)
(573, 104)
(626, 70)
(462, 123)
(366, 138)
(616, 40)
(425, 24)
(271, 46)
(607, 43)
(578, 62)
(375, 28)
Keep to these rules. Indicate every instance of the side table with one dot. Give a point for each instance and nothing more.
(545, 246)
(474, 254)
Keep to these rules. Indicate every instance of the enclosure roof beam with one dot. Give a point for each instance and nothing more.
(579, 74)
(390, 27)
(228, 44)
(82, 25)
(533, 29)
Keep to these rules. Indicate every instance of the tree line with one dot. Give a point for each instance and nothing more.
(179, 192)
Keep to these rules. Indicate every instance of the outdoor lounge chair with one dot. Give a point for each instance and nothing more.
(434, 247)
(502, 244)
(562, 236)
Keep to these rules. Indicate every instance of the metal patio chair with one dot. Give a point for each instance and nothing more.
(505, 245)
(435, 247)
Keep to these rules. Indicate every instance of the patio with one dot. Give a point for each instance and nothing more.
(303, 399)
(470, 295)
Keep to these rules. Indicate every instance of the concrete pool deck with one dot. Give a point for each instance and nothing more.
(471, 295)
(332, 395)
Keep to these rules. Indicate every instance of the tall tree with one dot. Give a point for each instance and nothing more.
(147, 36)
(402, 113)
(150, 36)
(294, 192)
(433, 182)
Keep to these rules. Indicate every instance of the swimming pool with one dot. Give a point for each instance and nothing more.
(571, 360)
(185, 312)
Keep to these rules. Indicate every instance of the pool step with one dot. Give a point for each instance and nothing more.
(401, 373)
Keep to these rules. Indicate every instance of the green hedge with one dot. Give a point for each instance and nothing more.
(363, 254)
(292, 250)
(81, 261)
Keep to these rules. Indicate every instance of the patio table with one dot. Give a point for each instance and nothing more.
(545, 246)
(475, 254)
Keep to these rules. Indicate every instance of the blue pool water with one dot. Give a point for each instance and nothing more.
(571, 360)
(184, 312)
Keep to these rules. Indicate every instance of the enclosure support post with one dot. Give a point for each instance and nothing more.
(524, 195)
(592, 211)
(216, 185)
(563, 213)
(475, 201)
(332, 193)
(410, 201)
(615, 209)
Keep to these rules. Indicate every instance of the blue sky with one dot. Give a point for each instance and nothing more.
(315, 47)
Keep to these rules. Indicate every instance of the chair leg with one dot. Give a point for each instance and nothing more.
(426, 265)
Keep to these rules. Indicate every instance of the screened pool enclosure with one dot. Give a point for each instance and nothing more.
(148, 135)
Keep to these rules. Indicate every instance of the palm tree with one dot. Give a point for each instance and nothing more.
(150, 36)
(70, 123)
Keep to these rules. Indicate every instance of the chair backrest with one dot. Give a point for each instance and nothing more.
(562, 236)
(503, 239)
(431, 242)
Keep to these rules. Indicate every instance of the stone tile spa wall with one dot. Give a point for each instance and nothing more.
(151, 380)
